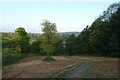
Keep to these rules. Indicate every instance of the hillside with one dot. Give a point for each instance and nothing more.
(70, 33)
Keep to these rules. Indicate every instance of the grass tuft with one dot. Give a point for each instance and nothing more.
(48, 59)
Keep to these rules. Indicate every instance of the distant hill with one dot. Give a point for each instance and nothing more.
(69, 33)
(76, 33)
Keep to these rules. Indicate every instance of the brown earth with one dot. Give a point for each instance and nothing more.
(34, 67)
(104, 69)
(80, 71)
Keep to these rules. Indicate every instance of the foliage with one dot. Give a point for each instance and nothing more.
(6, 51)
(59, 47)
(11, 58)
(11, 47)
(48, 37)
(71, 45)
(23, 39)
(10, 43)
(104, 34)
(34, 46)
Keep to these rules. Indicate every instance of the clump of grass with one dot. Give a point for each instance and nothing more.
(48, 59)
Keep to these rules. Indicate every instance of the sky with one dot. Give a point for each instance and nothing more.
(68, 16)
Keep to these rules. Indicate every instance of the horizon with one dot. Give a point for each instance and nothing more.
(69, 17)
(41, 32)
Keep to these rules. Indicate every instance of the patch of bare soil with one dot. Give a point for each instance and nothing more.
(35, 67)
(104, 69)
(80, 71)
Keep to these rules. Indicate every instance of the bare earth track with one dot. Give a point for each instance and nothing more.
(80, 71)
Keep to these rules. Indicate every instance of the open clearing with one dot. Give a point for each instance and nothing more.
(34, 67)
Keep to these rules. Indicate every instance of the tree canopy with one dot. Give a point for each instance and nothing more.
(23, 39)
(49, 37)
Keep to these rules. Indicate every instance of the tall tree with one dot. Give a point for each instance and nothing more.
(49, 37)
(71, 45)
(23, 39)
(104, 32)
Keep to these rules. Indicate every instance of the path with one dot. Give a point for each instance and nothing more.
(80, 71)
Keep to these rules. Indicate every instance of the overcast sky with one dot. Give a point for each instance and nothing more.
(68, 16)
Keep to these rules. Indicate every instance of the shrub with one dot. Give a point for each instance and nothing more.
(11, 58)
(17, 49)
(6, 51)
(49, 58)
(35, 46)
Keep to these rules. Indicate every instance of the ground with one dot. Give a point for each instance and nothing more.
(105, 69)
(101, 67)
(34, 67)
(79, 71)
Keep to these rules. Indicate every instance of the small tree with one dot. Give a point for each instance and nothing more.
(23, 39)
(48, 42)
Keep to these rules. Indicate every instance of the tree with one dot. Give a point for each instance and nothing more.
(104, 35)
(23, 39)
(71, 45)
(49, 38)
(10, 43)
(114, 39)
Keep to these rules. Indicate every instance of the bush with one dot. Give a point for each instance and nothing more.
(17, 49)
(49, 58)
(6, 51)
(35, 46)
(11, 58)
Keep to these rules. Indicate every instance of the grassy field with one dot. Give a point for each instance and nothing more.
(35, 67)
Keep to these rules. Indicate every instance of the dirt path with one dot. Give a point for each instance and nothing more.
(80, 71)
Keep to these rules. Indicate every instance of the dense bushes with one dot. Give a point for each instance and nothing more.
(35, 46)
(14, 46)
(11, 58)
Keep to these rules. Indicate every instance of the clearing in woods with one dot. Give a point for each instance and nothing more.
(34, 67)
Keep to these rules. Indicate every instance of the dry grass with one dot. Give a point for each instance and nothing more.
(102, 67)
(34, 67)
(82, 58)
